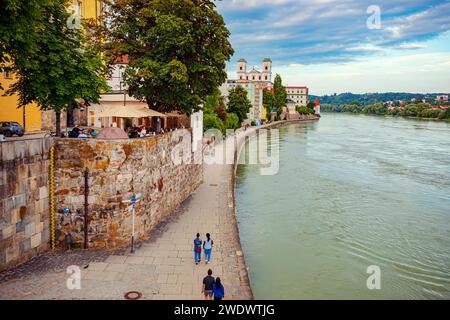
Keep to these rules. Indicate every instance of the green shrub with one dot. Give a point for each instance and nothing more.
(212, 121)
(232, 121)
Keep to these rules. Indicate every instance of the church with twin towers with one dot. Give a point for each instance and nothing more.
(255, 75)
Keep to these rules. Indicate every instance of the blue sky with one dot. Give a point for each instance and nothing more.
(326, 44)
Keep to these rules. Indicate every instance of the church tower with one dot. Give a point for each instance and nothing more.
(242, 69)
(267, 70)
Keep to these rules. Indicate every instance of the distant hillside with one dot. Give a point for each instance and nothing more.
(371, 98)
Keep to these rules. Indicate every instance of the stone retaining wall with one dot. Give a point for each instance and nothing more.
(24, 200)
(117, 169)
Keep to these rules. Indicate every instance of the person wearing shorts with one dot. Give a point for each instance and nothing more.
(207, 287)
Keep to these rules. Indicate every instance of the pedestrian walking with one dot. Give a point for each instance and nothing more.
(207, 286)
(207, 247)
(197, 249)
(218, 290)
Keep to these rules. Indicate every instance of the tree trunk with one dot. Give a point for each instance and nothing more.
(58, 124)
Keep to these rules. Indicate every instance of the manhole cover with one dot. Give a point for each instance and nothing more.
(133, 295)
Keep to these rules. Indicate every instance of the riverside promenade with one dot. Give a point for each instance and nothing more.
(161, 268)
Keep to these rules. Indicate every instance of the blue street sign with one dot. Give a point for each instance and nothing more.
(133, 199)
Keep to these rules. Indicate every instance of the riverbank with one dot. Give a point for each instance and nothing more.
(162, 267)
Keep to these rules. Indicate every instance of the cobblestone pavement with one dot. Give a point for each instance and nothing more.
(162, 268)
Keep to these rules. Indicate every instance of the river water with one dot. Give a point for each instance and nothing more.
(352, 191)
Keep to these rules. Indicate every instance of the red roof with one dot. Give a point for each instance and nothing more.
(122, 59)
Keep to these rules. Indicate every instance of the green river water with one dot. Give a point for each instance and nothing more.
(352, 191)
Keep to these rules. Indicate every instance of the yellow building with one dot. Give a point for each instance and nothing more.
(30, 117)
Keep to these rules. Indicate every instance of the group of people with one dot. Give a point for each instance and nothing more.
(211, 287)
(79, 133)
(142, 131)
(206, 245)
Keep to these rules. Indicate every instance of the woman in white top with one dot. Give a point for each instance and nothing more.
(207, 247)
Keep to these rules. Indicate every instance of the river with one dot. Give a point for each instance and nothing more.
(352, 191)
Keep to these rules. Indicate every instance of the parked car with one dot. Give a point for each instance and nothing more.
(9, 129)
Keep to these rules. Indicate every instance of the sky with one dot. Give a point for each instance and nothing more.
(335, 46)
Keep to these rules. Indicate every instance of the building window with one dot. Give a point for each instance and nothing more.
(241, 68)
(266, 77)
(267, 68)
(7, 75)
(240, 77)
(259, 77)
(253, 77)
(247, 77)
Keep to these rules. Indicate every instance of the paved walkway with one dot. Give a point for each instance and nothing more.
(162, 268)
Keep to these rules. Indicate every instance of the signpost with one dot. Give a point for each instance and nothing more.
(135, 198)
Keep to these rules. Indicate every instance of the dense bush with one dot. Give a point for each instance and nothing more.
(305, 110)
(232, 121)
(212, 121)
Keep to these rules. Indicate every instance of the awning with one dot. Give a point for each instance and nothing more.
(133, 109)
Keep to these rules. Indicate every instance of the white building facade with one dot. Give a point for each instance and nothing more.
(298, 95)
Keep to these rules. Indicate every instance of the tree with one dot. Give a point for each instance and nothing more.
(279, 94)
(18, 21)
(232, 121)
(239, 103)
(177, 50)
(58, 68)
(212, 121)
(222, 114)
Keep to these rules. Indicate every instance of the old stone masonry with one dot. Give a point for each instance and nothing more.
(162, 267)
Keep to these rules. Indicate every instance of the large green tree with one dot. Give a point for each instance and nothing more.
(239, 103)
(177, 50)
(19, 21)
(279, 94)
(57, 67)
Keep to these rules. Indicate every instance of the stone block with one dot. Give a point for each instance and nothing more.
(12, 253)
(20, 148)
(15, 216)
(8, 151)
(36, 240)
(39, 227)
(34, 147)
(7, 232)
(25, 245)
(30, 230)
(43, 193)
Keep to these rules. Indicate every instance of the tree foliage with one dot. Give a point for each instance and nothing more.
(232, 121)
(212, 121)
(177, 50)
(279, 93)
(239, 103)
(420, 110)
(56, 66)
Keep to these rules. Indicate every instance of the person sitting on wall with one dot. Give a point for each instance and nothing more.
(92, 133)
(75, 132)
(143, 132)
(134, 133)
(83, 135)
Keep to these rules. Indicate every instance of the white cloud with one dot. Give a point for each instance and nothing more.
(384, 73)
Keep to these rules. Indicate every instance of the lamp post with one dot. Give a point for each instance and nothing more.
(135, 198)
